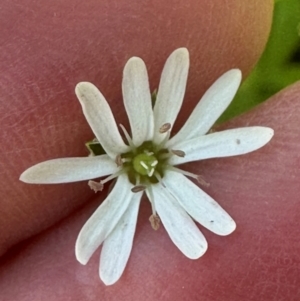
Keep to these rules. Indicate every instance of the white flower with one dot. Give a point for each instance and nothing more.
(147, 163)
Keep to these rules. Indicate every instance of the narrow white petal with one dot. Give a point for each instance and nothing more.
(100, 118)
(137, 100)
(223, 144)
(211, 106)
(171, 91)
(179, 225)
(68, 170)
(104, 220)
(117, 246)
(199, 205)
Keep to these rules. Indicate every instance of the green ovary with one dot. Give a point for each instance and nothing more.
(144, 163)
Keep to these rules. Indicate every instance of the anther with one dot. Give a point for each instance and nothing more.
(154, 221)
(178, 153)
(165, 128)
(119, 161)
(138, 188)
(200, 179)
(96, 186)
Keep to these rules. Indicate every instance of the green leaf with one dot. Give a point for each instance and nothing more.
(279, 65)
(95, 148)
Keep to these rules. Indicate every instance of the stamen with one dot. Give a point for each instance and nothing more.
(130, 142)
(151, 199)
(144, 165)
(164, 141)
(172, 152)
(166, 156)
(114, 175)
(138, 188)
(154, 163)
(178, 153)
(148, 153)
(96, 186)
(202, 181)
(119, 161)
(126, 160)
(165, 127)
(159, 178)
(137, 180)
(154, 221)
(199, 178)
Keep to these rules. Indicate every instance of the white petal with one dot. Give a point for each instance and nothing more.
(171, 91)
(104, 220)
(199, 205)
(223, 144)
(68, 170)
(179, 225)
(117, 246)
(137, 100)
(210, 108)
(100, 118)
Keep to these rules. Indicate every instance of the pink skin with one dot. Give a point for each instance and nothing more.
(48, 49)
(259, 261)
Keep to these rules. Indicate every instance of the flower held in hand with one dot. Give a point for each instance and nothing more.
(147, 163)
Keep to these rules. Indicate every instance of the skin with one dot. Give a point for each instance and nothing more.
(259, 261)
(47, 51)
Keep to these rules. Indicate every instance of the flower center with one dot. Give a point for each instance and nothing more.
(145, 164)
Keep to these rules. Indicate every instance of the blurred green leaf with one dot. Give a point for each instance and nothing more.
(279, 65)
(95, 148)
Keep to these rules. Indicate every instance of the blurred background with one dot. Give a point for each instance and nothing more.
(279, 65)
